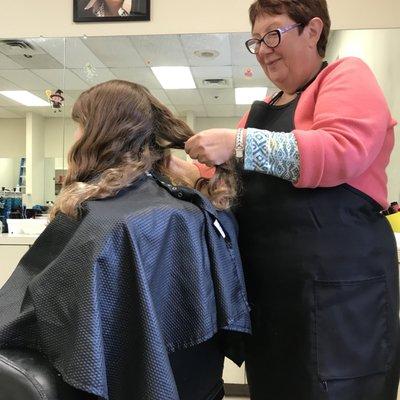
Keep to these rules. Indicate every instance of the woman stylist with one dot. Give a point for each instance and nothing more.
(319, 258)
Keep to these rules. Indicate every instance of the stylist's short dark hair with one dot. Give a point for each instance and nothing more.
(301, 11)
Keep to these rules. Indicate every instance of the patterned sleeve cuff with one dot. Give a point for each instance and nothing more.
(273, 153)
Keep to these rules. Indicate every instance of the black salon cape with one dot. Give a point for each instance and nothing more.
(106, 298)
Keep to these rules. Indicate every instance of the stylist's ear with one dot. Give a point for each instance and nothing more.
(314, 31)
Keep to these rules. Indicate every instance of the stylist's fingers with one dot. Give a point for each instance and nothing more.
(211, 146)
(189, 147)
(196, 145)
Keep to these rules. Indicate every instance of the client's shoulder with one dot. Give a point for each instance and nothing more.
(145, 199)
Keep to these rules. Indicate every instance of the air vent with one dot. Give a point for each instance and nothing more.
(206, 53)
(12, 47)
(22, 44)
(217, 83)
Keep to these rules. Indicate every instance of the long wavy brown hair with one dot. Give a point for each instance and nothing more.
(125, 133)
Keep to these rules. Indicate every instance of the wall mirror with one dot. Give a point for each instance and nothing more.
(35, 139)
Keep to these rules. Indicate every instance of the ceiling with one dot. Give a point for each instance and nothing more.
(74, 64)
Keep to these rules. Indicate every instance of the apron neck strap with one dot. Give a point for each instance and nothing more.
(300, 89)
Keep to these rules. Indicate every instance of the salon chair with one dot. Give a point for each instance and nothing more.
(26, 375)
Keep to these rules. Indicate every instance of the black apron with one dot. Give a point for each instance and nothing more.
(322, 277)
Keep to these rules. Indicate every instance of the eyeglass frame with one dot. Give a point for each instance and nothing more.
(280, 32)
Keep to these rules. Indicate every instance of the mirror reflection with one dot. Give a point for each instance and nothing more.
(36, 136)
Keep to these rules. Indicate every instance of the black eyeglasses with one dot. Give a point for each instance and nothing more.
(271, 39)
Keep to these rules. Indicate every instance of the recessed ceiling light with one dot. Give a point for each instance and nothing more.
(249, 95)
(24, 97)
(174, 77)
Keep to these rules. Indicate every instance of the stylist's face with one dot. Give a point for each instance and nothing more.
(283, 65)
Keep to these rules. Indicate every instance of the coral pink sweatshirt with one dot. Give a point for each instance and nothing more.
(344, 130)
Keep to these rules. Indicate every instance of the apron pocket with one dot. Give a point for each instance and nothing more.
(351, 328)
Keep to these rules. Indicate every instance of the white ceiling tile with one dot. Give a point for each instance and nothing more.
(198, 110)
(37, 61)
(72, 94)
(205, 72)
(115, 51)
(184, 96)
(144, 76)
(161, 95)
(53, 46)
(56, 78)
(220, 110)
(240, 55)
(218, 96)
(25, 79)
(78, 54)
(7, 85)
(160, 50)
(258, 79)
(205, 42)
(50, 113)
(7, 63)
(7, 113)
(98, 75)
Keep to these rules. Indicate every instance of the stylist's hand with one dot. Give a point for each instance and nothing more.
(212, 146)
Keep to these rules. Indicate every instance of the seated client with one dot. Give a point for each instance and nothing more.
(135, 288)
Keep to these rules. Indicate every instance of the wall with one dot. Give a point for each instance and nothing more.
(207, 123)
(58, 136)
(12, 148)
(9, 172)
(12, 138)
(53, 18)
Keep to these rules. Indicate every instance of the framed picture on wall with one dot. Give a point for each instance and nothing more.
(111, 10)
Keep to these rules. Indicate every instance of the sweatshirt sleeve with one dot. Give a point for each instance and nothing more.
(350, 122)
(272, 153)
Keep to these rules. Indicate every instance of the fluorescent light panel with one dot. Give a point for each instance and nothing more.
(174, 77)
(249, 95)
(24, 97)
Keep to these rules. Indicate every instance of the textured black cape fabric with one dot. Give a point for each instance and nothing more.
(108, 297)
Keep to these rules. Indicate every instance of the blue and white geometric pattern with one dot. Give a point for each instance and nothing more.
(273, 153)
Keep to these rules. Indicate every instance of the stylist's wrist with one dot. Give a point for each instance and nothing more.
(240, 144)
(244, 133)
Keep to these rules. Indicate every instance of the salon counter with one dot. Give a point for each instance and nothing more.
(17, 239)
(12, 248)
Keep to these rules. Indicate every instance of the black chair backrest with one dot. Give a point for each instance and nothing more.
(26, 375)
